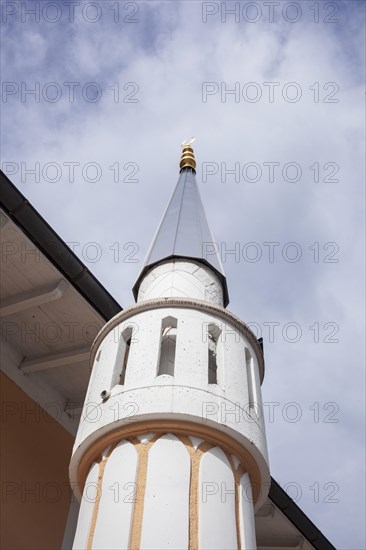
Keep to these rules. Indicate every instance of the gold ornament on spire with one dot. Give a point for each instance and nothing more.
(187, 158)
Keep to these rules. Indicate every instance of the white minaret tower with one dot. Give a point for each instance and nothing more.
(171, 449)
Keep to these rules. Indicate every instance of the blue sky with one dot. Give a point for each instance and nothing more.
(173, 65)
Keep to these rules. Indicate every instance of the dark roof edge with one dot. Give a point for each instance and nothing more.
(25, 216)
(297, 517)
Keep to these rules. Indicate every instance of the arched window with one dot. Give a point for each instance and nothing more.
(168, 342)
(213, 334)
(120, 366)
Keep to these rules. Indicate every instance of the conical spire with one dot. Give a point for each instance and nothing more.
(184, 231)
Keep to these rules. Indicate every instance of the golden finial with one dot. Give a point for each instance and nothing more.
(187, 158)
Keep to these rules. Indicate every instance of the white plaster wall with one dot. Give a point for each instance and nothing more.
(166, 504)
(104, 363)
(113, 524)
(181, 278)
(217, 524)
(246, 518)
(188, 392)
(86, 509)
(185, 396)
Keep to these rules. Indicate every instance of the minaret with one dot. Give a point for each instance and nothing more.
(171, 448)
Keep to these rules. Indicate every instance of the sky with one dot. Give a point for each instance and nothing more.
(97, 98)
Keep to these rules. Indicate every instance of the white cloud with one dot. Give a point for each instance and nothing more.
(169, 54)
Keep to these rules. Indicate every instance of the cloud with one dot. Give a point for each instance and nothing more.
(163, 61)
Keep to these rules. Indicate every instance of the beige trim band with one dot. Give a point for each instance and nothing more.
(138, 509)
(196, 454)
(181, 428)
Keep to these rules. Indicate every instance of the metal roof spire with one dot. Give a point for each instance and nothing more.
(184, 231)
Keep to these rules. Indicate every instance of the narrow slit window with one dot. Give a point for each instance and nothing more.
(213, 334)
(123, 351)
(168, 343)
(212, 360)
(126, 353)
(250, 378)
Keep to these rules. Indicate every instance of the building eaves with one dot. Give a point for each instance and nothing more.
(25, 216)
(297, 517)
